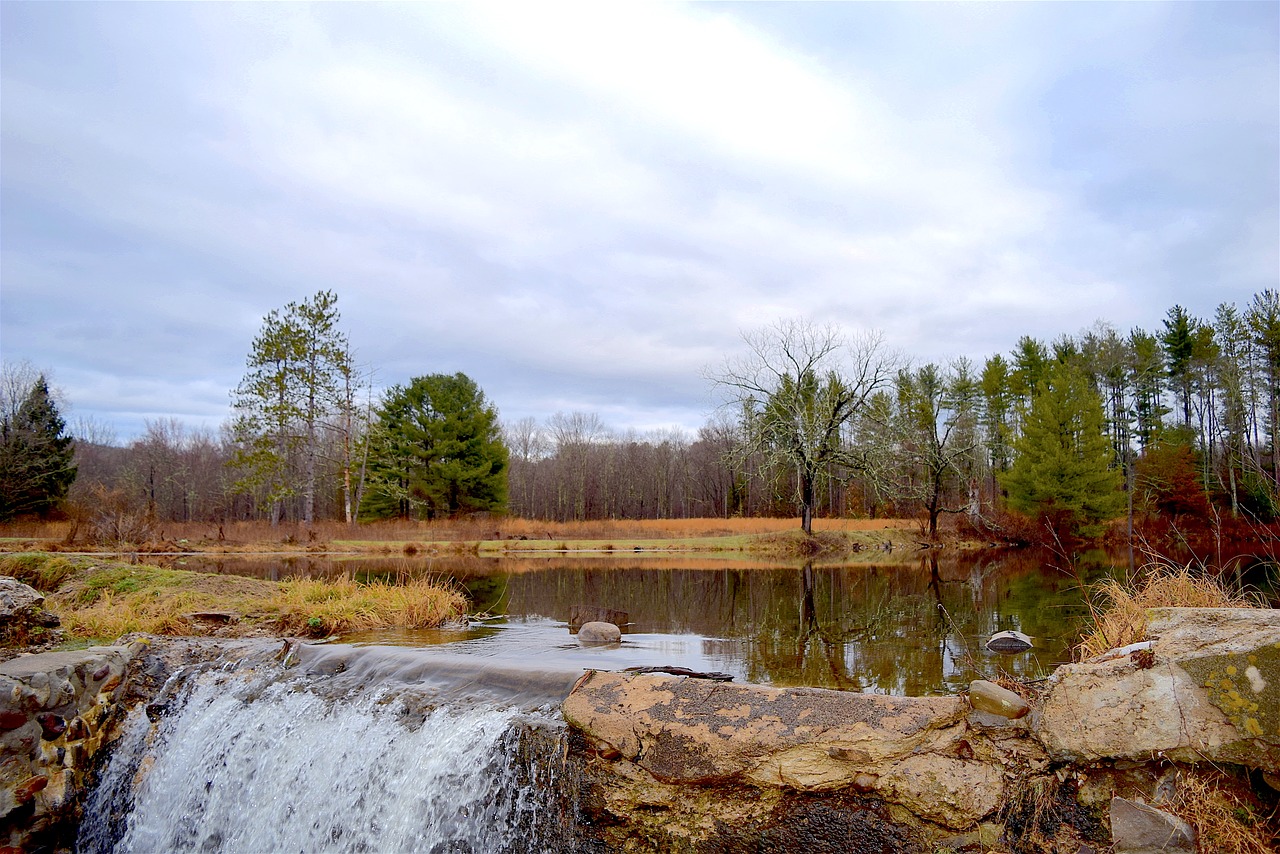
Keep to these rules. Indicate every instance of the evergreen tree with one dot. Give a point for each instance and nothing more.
(1179, 340)
(298, 368)
(1145, 371)
(436, 451)
(1063, 455)
(1030, 361)
(36, 467)
(1263, 317)
(997, 413)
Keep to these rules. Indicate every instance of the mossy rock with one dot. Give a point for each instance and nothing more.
(1245, 686)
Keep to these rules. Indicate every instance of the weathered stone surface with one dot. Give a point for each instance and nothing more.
(1186, 705)
(22, 613)
(952, 792)
(692, 730)
(990, 697)
(598, 632)
(17, 598)
(43, 758)
(1137, 828)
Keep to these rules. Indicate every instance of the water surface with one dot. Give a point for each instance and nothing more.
(911, 628)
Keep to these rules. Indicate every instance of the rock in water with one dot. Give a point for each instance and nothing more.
(597, 632)
(990, 697)
(1009, 643)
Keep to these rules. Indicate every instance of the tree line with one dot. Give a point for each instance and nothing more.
(1182, 420)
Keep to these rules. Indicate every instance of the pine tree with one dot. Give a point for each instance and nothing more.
(298, 367)
(36, 467)
(1063, 455)
(436, 451)
(1179, 343)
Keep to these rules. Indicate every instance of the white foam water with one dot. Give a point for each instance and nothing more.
(246, 764)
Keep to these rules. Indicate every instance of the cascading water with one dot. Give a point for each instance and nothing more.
(247, 761)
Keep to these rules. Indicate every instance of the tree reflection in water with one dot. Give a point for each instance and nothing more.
(910, 628)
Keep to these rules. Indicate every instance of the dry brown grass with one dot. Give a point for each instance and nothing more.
(101, 602)
(1120, 618)
(241, 536)
(316, 606)
(1225, 819)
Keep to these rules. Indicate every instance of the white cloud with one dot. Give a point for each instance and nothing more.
(581, 205)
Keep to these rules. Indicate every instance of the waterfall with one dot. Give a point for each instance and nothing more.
(242, 761)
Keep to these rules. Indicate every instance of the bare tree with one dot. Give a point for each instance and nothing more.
(795, 389)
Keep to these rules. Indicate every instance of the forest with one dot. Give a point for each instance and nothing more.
(1175, 425)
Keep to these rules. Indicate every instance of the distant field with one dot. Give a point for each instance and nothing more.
(463, 530)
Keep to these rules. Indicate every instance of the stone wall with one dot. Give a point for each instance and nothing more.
(678, 764)
(56, 711)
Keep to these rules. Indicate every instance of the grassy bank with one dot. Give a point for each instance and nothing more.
(98, 602)
(873, 539)
(1120, 609)
(491, 534)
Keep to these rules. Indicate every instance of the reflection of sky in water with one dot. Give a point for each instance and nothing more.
(540, 642)
(912, 628)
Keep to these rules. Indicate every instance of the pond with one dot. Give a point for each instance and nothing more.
(913, 627)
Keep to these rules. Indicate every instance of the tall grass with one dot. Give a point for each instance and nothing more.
(1120, 610)
(101, 602)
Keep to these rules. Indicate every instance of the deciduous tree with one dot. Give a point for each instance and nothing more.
(795, 390)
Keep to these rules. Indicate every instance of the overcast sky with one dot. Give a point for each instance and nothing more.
(582, 206)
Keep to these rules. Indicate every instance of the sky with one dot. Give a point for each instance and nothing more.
(584, 206)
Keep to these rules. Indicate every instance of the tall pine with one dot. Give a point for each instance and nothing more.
(297, 369)
(36, 467)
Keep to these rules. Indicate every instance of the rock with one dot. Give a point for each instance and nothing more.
(1140, 829)
(599, 632)
(27, 789)
(580, 615)
(221, 618)
(952, 792)
(697, 731)
(52, 725)
(22, 614)
(12, 720)
(1209, 695)
(990, 697)
(1009, 643)
(17, 598)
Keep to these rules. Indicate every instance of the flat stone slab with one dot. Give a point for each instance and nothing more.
(25, 666)
(694, 730)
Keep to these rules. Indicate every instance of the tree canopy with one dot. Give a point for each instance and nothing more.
(435, 450)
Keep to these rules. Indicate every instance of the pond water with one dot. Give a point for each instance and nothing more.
(910, 628)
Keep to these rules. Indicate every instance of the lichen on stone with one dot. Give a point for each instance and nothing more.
(1245, 686)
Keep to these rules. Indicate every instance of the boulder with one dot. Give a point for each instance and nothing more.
(22, 612)
(1206, 691)
(908, 750)
(989, 697)
(1137, 828)
(599, 632)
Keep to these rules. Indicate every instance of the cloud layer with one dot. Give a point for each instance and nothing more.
(581, 206)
